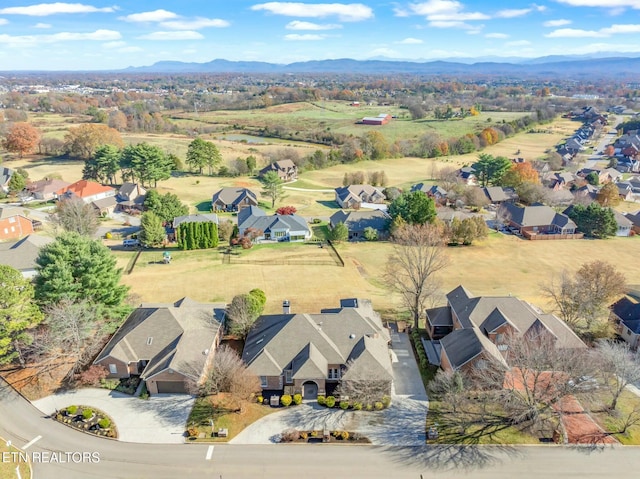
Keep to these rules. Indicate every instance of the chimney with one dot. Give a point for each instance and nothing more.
(286, 307)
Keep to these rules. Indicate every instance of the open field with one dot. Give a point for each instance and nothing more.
(8, 466)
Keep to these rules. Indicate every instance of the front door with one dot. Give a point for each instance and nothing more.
(309, 390)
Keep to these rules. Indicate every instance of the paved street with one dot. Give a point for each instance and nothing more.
(21, 423)
(161, 419)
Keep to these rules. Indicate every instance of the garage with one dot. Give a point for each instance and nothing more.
(167, 387)
(309, 390)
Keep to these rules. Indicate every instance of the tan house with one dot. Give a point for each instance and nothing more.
(169, 346)
(308, 354)
(46, 189)
(625, 313)
(354, 195)
(286, 169)
(471, 329)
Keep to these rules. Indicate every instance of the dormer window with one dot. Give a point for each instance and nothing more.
(334, 373)
(288, 376)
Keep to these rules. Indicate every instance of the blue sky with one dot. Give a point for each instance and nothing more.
(108, 34)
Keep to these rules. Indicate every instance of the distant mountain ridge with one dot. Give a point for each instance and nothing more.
(553, 66)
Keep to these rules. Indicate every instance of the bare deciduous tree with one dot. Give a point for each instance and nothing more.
(618, 367)
(447, 177)
(418, 255)
(75, 215)
(364, 385)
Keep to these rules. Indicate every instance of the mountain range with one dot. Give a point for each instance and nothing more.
(578, 67)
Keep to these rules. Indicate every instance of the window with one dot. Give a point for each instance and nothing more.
(481, 364)
(12, 219)
(287, 376)
(6, 231)
(279, 234)
(499, 338)
(334, 373)
(263, 381)
(113, 369)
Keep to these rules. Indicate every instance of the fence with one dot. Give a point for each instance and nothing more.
(334, 253)
(132, 262)
(545, 237)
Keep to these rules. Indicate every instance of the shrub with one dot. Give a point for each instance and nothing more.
(297, 399)
(260, 400)
(104, 423)
(314, 433)
(322, 401)
(357, 406)
(369, 407)
(290, 435)
(330, 401)
(87, 413)
(72, 410)
(108, 235)
(386, 401)
(285, 400)
(379, 406)
(93, 375)
(336, 434)
(192, 431)
(344, 435)
(304, 435)
(344, 405)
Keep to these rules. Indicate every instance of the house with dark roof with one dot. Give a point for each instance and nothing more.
(199, 218)
(475, 328)
(131, 197)
(353, 196)
(45, 189)
(625, 314)
(538, 220)
(5, 178)
(233, 199)
(635, 221)
(498, 194)
(286, 170)
(273, 227)
(169, 346)
(467, 175)
(357, 221)
(311, 353)
(22, 254)
(432, 191)
(625, 225)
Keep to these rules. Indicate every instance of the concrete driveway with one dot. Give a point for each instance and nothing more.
(161, 419)
(402, 424)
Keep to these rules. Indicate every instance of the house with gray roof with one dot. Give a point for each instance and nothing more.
(357, 221)
(433, 191)
(531, 221)
(273, 227)
(286, 170)
(625, 314)
(169, 346)
(473, 328)
(45, 189)
(5, 177)
(131, 196)
(353, 196)
(233, 199)
(498, 194)
(22, 254)
(200, 218)
(625, 225)
(311, 353)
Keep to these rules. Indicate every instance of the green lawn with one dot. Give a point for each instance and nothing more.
(8, 468)
(614, 421)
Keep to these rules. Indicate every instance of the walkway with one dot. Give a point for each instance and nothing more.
(579, 425)
(161, 419)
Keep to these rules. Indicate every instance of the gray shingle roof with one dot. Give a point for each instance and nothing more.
(5, 175)
(538, 215)
(254, 217)
(464, 345)
(356, 191)
(359, 220)
(234, 196)
(204, 218)
(22, 254)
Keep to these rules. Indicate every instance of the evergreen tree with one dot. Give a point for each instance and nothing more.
(152, 233)
(414, 206)
(339, 233)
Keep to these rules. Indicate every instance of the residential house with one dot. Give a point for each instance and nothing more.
(625, 313)
(14, 224)
(233, 199)
(102, 198)
(274, 227)
(604, 176)
(559, 180)
(587, 193)
(169, 346)
(286, 169)
(310, 354)
(533, 222)
(436, 192)
(45, 190)
(498, 194)
(22, 254)
(624, 224)
(357, 221)
(625, 190)
(131, 197)
(354, 195)
(635, 221)
(467, 175)
(472, 329)
(5, 178)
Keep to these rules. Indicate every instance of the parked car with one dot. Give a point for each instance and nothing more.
(130, 243)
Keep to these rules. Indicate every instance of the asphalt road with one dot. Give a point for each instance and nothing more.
(22, 423)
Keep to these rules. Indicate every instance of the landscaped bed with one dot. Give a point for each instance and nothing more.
(87, 419)
(317, 436)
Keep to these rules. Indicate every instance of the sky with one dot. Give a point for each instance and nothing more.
(112, 34)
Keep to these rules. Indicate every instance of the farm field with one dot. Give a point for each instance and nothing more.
(500, 265)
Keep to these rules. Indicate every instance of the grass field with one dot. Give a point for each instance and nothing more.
(8, 467)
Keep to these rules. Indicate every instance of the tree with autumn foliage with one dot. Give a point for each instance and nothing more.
(608, 196)
(286, 210)
(21, 138)
(81, 142)
(520, 173)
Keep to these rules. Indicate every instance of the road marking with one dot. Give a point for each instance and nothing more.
(209, 453)
(31, 443)
(18, 472)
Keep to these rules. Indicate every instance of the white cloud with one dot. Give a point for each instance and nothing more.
(574, 33)
(154, 16)
(351, 12)
(410, 41)
(98, 35)
(298, 25)
(3, 21)
(604, 4)
(116, 44)
(195, 24)
(42, 25)
(557, 23)
(177, 35)
(45, 9)
(496, 35)
(305, 37)
(603, 32)
(518, 43)
(447, 14)
(512, 13)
